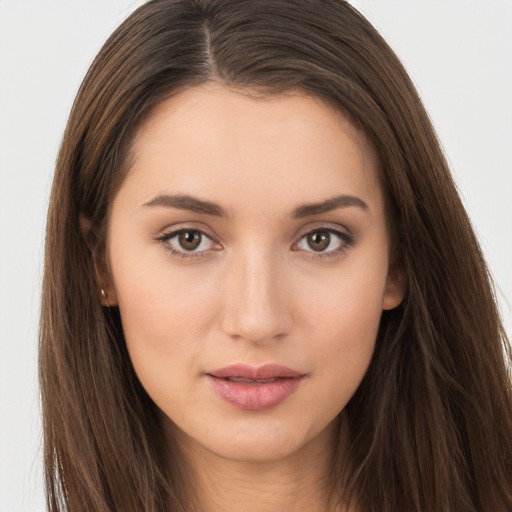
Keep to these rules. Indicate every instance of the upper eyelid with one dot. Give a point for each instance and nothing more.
(336, 231)
(166, 232)
(171, 233)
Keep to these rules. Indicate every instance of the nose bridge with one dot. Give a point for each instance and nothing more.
(256, 306)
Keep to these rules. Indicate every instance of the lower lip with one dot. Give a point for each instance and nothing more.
(255, 397)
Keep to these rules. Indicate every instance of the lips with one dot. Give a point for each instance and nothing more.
(253, 389)
(268, 371)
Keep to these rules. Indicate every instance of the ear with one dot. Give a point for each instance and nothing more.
(108, 295)
(394, 291)
(106, 289)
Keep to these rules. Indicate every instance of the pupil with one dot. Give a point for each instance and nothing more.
(189, 240)
(319, 239)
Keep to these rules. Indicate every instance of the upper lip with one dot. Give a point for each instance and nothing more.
(267, 371)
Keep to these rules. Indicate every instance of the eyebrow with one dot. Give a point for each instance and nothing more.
(342, 201)
(196, 205)
(190, 203)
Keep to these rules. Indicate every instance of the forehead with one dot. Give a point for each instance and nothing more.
(215, 141)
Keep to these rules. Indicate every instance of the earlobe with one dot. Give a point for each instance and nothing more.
(108, 296)
(107, 299)
(395, 287)
(106, 291)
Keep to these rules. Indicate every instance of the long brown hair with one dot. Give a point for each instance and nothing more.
(431, 423)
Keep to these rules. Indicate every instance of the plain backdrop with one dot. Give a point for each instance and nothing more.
(459, 54)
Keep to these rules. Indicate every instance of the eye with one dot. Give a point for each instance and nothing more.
(186, 243)
(326, 242)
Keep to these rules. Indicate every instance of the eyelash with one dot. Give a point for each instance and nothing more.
(346, 238)
(347, 241)
(182, 255)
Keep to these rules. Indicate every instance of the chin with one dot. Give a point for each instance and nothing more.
(257, 450)
(258, 440)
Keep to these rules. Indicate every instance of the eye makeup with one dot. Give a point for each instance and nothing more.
(166, 241)
(346, 241)
(171, 240)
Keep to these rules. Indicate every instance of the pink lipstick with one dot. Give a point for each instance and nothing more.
(255, 389)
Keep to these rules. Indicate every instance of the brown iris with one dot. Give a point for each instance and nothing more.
(319, 240)
(189, 240)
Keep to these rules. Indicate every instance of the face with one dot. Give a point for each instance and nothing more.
(248, 255)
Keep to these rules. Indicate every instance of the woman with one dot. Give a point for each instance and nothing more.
(261, 288)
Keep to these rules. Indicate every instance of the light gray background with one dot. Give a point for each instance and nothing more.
(459, 53)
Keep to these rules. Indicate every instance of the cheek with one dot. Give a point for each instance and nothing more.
(164, 310)
(344, 316)
(349, 300)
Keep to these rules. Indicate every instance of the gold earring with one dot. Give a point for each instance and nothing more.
(104, 295)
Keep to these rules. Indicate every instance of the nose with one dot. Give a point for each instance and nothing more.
(257, 304)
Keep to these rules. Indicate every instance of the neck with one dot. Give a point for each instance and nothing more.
(299, 482)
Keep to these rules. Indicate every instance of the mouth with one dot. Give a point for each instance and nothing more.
(254, 389)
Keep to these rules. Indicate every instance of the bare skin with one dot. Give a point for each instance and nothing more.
(264, 284)
(299, 482)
